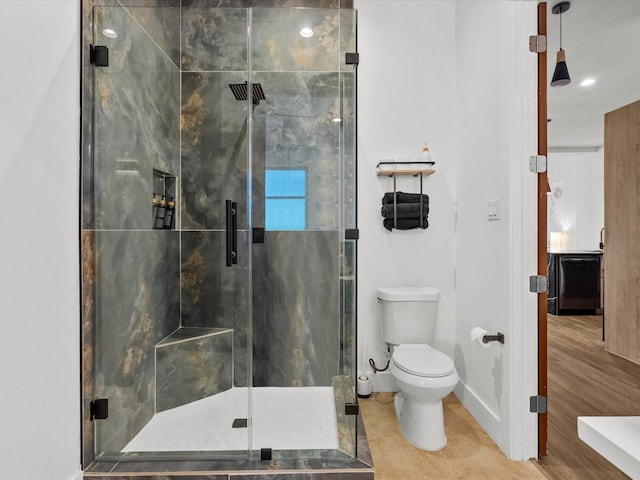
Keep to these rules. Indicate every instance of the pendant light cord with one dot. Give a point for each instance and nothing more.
(560, 30)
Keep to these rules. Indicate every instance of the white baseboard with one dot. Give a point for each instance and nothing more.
(383, 382)
(76, 476)
(487, 418)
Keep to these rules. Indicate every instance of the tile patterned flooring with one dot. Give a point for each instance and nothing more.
(470, 454)
(284, 418)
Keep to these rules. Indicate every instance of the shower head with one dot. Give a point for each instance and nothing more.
(240, 92)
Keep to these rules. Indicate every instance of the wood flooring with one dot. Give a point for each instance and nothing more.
(469, 454)
(583, 380)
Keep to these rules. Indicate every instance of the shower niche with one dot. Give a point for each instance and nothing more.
(209, 355)
(163, 201)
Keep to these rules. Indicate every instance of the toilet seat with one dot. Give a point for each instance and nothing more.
(422, 361)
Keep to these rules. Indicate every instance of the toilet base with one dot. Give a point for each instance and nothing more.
(421, 422)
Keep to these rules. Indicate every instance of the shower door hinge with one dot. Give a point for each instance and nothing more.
(351, 234)
(352, 58)
(99, 55)
(351, 409)
(538, 404)
(537, 43)
(99, 409)
(537, 284)
(257, 235)
(266, 454)
(537, 163)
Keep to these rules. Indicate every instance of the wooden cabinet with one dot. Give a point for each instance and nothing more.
(622, 230)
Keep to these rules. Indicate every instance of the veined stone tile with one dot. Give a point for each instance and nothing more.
(193, 363)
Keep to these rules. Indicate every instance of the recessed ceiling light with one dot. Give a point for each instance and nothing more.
(587, 81)
(107, 32)
(337, 120)
(306, 32)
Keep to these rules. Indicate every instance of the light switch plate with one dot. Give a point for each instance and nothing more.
(494, 210)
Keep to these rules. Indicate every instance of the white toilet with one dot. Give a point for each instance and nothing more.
(423, 374)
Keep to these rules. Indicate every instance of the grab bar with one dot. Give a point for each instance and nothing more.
(234, 229)
(232, 232)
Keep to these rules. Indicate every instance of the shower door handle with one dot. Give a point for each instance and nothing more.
(232, 233)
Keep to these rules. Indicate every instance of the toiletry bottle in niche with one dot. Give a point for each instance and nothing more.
(162, 208)
(155, 202)
(169, 214)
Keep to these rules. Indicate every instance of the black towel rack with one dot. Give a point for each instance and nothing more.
(419, 169)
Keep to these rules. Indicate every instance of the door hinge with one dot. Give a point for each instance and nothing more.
(99, 55)
(351, 409)
(99, 409)
(537, 43)
(537, 163)
(538, 404)
(537, 284)
(352, 58)
(351, 234)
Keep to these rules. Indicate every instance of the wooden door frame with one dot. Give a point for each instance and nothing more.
(542, 229)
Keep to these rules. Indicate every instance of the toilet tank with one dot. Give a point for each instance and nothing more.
(408, 314)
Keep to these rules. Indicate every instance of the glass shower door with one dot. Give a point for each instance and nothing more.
(229, 327)
(171, 320)
(303, 334)
(216, 261)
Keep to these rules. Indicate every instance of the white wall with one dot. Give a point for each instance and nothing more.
(454, 73)
(482, 266)
(39, 305)
(406, 96)
(576, 203)
(496, 134)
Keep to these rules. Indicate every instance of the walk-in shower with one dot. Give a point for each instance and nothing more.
(218, 230)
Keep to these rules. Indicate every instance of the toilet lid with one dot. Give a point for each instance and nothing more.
(422, 360)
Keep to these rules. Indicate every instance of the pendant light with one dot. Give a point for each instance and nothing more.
(561, 73)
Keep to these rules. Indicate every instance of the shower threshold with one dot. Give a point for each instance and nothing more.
(297, 423)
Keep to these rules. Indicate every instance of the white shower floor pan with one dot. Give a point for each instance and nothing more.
(284, 418)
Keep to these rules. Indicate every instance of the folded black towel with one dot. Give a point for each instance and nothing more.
(405, 223)
(402, 197)
(405, 210)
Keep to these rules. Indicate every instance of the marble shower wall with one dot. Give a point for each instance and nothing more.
(297, 333)
(193, 363)
(136, 122)
(131, 273)
(136, 305)
(297, 128)
(214, 150)
(163, 91)
(214, 295)
(296, 310)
